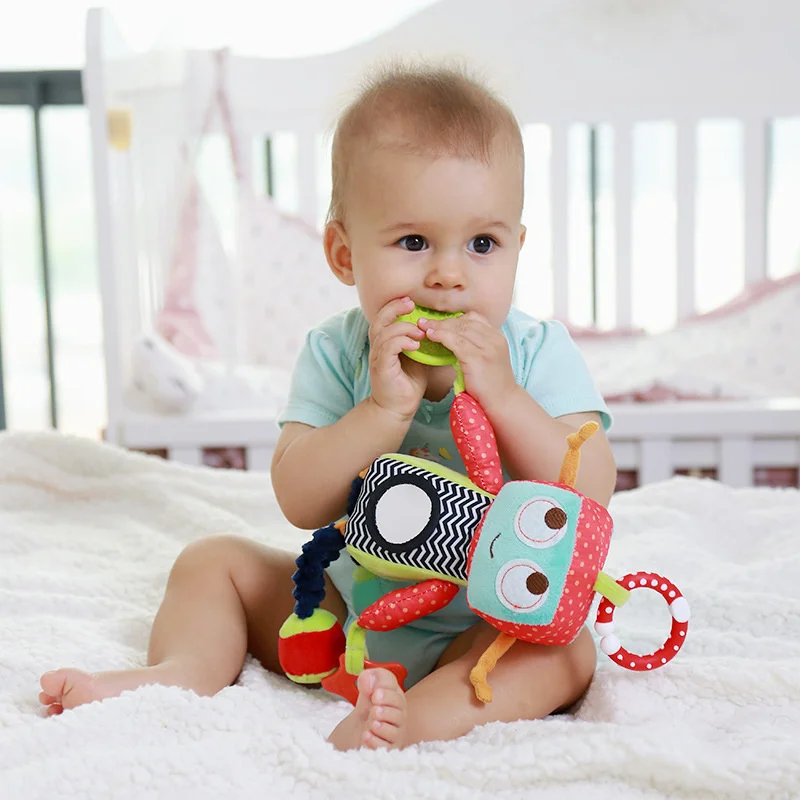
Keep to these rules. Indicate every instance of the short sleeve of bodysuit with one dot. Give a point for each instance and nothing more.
(325, 375)
(548, 363)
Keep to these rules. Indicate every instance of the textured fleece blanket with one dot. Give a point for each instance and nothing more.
(88, 534)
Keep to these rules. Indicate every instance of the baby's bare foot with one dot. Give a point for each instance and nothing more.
(66, 688)
(379, 718)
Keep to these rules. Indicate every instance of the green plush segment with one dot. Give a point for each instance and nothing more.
(434, 354)
(356, 649)
(438, 469)
(611, 590)
(459, 385)
(398, 572)
(360, 575)
(320, 620)
(311, 679)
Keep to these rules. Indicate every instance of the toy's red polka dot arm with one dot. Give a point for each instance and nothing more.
(678, 609)
(476, 442)
(402, 606)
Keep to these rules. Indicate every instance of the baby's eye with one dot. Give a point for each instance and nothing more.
(413, 242)
(482, 245)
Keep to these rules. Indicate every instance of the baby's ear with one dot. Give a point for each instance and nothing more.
(337, 251)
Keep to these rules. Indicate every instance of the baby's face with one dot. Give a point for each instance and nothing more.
(445, 232)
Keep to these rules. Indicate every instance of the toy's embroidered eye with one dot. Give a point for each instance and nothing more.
(541, 522)
(522, 586)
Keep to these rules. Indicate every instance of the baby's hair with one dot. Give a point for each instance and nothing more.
(424, 110)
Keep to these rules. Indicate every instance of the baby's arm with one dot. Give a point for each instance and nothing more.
(313, 468)
(532, 443)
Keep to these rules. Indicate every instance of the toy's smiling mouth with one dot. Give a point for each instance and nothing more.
(491, 546)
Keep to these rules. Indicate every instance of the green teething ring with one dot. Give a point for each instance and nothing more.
(434, 354)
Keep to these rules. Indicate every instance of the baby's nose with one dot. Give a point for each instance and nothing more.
(447, 272)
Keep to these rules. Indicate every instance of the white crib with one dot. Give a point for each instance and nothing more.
(558, 63)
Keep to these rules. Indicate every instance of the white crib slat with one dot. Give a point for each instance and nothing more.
(191, 456)
(559, 218)
(756, 183)
(686, 202)
(623, 222)
(736, 462)
(307, 157)
(776, 452)
(259, 459)
(655, 461)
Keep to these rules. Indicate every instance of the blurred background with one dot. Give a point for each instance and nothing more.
(50, 325)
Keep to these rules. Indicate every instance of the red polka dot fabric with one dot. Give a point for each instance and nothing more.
(476, 443)
(404, 605)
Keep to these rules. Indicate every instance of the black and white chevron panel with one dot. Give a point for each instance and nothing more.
(410, 516)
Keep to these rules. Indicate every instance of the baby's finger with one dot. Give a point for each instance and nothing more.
(393, 347)
(408, 329)
(391, 311)
(463, 338)
(385, 356)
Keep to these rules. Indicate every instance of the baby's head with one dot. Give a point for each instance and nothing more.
(427, 194)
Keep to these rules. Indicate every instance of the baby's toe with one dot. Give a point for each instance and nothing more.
(385, 733)
(373, 742)
(46, 699)
(386, 715)
(385, 682)
(389, 698)
(383, 679)
(52, 684)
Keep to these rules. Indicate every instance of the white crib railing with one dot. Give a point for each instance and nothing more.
(730, 439)
(559, 63)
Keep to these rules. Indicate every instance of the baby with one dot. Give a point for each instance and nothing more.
(426, 209)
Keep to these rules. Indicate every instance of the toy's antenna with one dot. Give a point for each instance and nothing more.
(572, 459)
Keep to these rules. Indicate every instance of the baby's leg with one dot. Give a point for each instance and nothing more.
(529, 682)
(225, 596)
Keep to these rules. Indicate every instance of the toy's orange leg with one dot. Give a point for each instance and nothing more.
(486, 663)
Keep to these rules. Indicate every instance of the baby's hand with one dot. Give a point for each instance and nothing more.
(398, 384)
(482, 352)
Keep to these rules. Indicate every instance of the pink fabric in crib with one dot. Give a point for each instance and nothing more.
(179, 320)
(195, 316)
(747, 348)
(286, 287)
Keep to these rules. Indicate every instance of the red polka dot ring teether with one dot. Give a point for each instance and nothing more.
(678, 608)
(530, 554)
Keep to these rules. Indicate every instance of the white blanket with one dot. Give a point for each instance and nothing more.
(87, 536)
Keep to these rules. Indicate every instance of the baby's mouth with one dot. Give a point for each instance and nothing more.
(438, 312)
